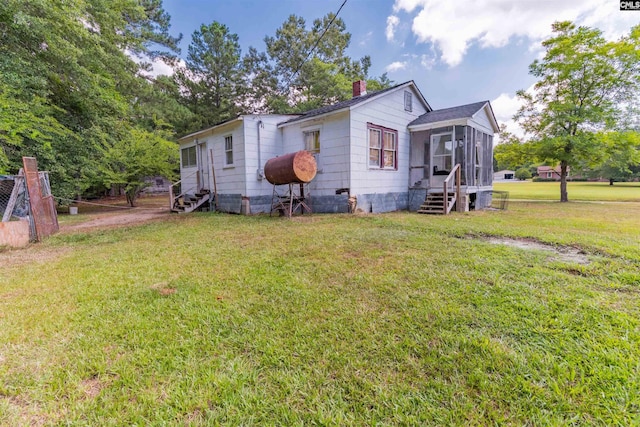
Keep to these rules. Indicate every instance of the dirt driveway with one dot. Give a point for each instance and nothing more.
(116, 219)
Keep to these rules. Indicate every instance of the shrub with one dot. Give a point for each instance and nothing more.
(523, 173)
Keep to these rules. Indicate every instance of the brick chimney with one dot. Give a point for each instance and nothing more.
(359, 88)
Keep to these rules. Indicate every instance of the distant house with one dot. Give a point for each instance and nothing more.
(387, 150)
(504, 175)
(548, 172)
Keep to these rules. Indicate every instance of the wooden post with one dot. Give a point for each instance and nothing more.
(171, 197)
(445, 197)
(215, 188)
(458, 200)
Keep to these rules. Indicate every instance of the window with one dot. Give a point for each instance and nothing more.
(312, 141)
(408, 102)
(228, 150)
(189, 157)
(383, 147)
(442, 153)
(549, 175)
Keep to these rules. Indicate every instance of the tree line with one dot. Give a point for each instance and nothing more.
(583, 112)
(76, 90)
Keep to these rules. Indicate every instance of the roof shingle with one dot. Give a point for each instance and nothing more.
(342, 104)
(453, 113)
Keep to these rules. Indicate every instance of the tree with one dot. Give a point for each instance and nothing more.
(137, 156)
(523, 173)
(310, 65)
(623, 153)
(67, 79)
(584, 83)
(212, 79)
(511, 153)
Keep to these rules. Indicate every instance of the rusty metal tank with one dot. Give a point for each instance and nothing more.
(293, 168)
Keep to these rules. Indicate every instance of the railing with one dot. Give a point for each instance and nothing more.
(176, 187)
(446, 206)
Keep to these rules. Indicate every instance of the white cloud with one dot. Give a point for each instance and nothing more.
(159, 67)
(366, 38)
(395, 66)
(454, 26)
(428, 61)
(392, 23)
(505, 106)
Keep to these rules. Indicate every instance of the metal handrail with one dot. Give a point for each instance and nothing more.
(446, 208)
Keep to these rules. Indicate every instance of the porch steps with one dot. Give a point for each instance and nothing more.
(434, 204)
(190, 202)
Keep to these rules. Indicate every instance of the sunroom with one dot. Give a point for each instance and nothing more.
(452, 159)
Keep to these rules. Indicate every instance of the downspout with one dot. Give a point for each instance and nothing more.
(260, 171)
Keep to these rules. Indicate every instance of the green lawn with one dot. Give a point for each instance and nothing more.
(394, 319)
(585, 191)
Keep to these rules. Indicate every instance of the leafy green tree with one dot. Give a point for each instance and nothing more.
(135, 157)
(310, 65)
(584, 81)
(623, 153)
(522, 174)
(67, 76)
(511, 153)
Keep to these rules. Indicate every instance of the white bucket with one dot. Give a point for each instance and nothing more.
(73, 210)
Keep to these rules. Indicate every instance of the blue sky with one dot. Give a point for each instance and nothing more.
(456, 52)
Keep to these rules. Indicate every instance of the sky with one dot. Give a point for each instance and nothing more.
(457, 52)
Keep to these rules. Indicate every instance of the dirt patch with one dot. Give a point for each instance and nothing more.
(35, 253)
(562, 253)
(116, 219)
(91, 387)
(163, 289)
(30, 255)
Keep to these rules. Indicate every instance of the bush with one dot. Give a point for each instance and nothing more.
(523, 173)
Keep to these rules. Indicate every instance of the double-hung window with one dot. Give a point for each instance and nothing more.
(312, 141)
(228, 150)
(189, 157)
(383, 147)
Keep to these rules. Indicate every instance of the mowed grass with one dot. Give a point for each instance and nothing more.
(394, 319)
(578, 191)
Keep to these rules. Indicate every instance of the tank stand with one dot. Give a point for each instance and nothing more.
(296, 196)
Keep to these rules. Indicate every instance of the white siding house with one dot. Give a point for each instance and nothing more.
(366, 148)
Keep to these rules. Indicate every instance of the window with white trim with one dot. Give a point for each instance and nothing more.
(383, 147)
(312, 141)
(189, 157)
(228, 150)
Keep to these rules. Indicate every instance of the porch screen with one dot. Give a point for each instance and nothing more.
(442, 153)
(469, 164)
(459, 151)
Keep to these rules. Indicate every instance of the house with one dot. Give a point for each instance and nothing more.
(386, 151)
(548, 172)
(504, 175)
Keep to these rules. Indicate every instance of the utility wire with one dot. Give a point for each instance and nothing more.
(316, 43)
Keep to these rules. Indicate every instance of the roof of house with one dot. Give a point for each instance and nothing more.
(549, 169)
(352, 102)
(453, 113)
(206, 131)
